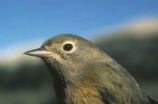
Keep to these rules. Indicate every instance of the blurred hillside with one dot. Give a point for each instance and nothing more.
(26, 80)
(135, 47)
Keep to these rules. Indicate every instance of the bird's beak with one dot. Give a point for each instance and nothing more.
(40, 52)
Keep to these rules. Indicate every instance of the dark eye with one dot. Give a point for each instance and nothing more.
(68, 47)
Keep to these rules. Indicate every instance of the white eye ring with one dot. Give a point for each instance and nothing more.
(68, 46)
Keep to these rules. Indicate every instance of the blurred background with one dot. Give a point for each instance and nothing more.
(125, 29)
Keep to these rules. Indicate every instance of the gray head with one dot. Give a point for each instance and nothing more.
(68, 54)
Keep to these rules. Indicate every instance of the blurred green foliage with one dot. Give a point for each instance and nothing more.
(26, 84)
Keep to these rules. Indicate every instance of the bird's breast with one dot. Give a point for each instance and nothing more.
(82, 95)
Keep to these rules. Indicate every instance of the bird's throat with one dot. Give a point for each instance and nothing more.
(70, 90)
(58, 82)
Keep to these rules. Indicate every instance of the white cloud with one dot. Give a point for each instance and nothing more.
(14, 54)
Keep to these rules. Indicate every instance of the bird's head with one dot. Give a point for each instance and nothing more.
(68, 54)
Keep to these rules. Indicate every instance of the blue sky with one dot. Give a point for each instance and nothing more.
(25, 20)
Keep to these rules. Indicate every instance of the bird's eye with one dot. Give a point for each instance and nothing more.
(68, 47)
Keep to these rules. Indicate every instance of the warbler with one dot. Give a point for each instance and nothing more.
(84, 74)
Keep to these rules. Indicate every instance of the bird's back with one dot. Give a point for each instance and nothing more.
(119, 87)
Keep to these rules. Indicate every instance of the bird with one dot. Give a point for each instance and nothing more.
(84, 74)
